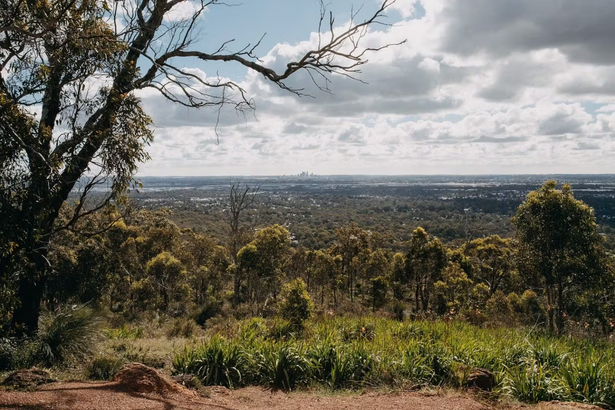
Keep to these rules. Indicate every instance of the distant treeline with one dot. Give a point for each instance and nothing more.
(554, 272)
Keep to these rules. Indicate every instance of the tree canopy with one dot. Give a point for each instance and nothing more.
(558, 243)
(81, 64)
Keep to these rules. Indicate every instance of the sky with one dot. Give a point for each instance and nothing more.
(479, 87)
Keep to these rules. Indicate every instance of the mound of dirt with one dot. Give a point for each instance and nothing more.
(136, 377)
(27, 379)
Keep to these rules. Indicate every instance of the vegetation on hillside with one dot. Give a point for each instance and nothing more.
(369, 352)
(537, 310)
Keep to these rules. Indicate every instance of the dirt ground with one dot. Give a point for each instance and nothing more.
(99, 395)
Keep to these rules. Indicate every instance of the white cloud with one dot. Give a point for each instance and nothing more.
(480, 86)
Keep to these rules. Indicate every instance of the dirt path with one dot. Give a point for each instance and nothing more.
(105, 396)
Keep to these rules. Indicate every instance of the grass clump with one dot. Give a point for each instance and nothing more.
(183, 327)
(349, 353)
(283, 366)
(125, 332)
(533, 382)
(104, 367)
(68, 334)
(217, 362)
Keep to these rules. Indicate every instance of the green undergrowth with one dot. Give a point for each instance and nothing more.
(343, 353)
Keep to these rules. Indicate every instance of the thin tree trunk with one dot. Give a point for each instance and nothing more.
(550, 305)
(560, 306)
(416, 296)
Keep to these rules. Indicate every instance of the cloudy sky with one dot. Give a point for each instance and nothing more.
(481, 86)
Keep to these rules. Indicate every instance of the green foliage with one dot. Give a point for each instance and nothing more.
(17, 354)
(282, 329)
(296, 304)
(587, 380)
(283, 366)
(533, 311)
(453, 291)
(558, 244)
(125, 332)
(217, 362)
(341, 365)
(68, 334)
(425, 261)
(183, 327)
(378, 292)
(167, 276)
(499, 310)
(491, 260)
(533, 382)
(261, 262)
(399, 310)
(349, 353)
(104, 367)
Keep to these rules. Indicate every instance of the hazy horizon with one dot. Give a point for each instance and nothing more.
(374, 175)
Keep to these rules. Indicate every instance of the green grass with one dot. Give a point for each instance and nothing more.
(68, 334)
(354, 353)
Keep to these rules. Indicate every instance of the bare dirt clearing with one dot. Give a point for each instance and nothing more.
(114, 395)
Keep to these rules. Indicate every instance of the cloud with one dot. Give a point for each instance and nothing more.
(582, 30)
(480, 86)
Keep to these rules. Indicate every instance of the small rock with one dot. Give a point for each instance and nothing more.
(183, 379)
(481, 379)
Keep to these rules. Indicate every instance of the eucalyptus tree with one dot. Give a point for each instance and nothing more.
(558, 243)
(261, 263)
(493, 260)
(425, 260)
(80, 65)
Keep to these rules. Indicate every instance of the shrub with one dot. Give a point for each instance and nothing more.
(281, 329)
(342, 366)
(349, 353)
(296, 304)
(17, 354)
(533, 382)
(251, 329)
(217, 362)
(414, 367)
(209, 310)
(399, 310)
(68, 334)
(284, 366)
(7, 351)
(534, 313)
(183, 327)
(104, 368)
(358, 331)
(498, 309)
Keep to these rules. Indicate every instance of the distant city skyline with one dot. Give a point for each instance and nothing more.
(480, 87)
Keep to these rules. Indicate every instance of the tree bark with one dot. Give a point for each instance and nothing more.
(24, 321)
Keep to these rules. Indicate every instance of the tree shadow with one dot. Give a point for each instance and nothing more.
(69, 396)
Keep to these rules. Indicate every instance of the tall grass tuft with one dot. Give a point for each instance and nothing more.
(217, 362)
(588, 382)
(68, 334)
(284, 366)
(533, 382)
